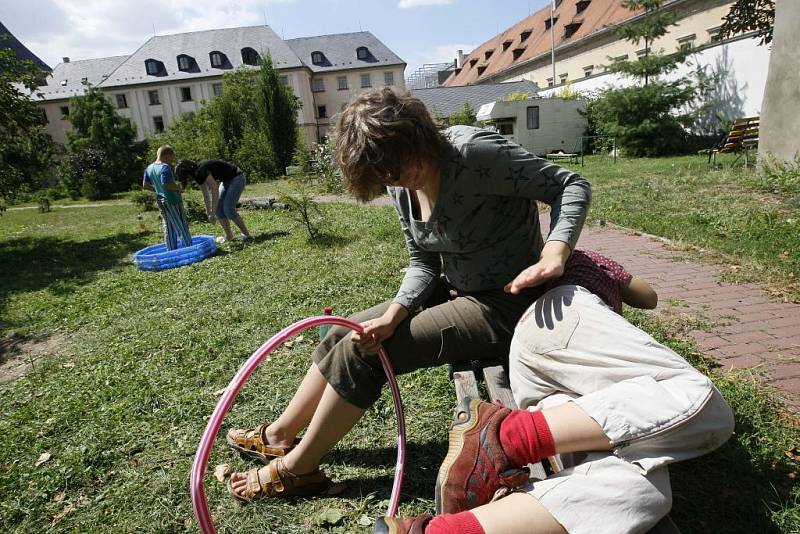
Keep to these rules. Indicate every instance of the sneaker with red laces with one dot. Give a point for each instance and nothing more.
(476, 466)
(402, 525)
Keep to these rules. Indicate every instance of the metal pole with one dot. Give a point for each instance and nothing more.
(553, 41)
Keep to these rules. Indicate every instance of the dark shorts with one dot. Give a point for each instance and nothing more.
(449, 329)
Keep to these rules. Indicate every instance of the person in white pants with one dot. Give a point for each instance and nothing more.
(618, 407)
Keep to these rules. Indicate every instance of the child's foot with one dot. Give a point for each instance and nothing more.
(253, 442)
(274, 480)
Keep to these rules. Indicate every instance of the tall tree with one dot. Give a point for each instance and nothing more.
(647, 118)
(26, 151)
(97, 125)
(750, 15)
(277, 112)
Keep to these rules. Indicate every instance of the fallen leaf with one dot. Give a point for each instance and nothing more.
(219, 392)
(289, 344)
(60, 515)
(60, 497)
(44, 457)
(331, 516)
(299, 339)
(793, 453)
(222, 471)
(68, 365)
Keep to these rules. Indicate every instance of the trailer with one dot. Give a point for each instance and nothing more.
(540, 125)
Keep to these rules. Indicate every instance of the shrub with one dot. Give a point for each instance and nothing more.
(466, 116)
(780, 176)
(43, 199)
(146, 200)
(325, 168)
(195, 211)
(85, 172)
(298, 196)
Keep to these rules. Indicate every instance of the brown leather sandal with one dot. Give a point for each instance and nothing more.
(277, 481)
(249, 442)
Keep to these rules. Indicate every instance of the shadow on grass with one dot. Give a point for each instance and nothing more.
(328, 240)
(32, 264)
(421, 467)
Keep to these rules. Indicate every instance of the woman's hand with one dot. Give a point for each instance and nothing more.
(378, 330)
(550, 265)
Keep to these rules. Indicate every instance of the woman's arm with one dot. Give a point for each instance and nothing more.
(213, 187)
(639, 294)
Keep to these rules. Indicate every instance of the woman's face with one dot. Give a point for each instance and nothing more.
(415, 175)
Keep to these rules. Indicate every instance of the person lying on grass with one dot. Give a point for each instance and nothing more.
(591, 384)
(222, 184)
(158, 177)
(466, 201)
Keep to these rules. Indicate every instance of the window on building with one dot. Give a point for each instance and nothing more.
(388, 78)
(284, 80)
(517, 53)
(523, 36)
(550, 82)
(186, 94)
(581, 5)
(342, 82)
(63, 83)
(158, 123)
(64, 111)
(641, 53)
(562, 78)
(558, 3)
(152, 66)
(623, 57)
(153, 97)
(84, 79)
(714, 35)
(362, 52)
(686, 42)
(185, 62)
(547, 22)
(366, 80)
(473, 62)
(322, 112)
(250, 56)
(216, 89)
(217, 59)
(570, 29)
(505, 128)
(317, 58)
(507, 44)
(588, 70)
(488, 54)
(533, 117)
(481, 70)
(318, 85)
(122, 102)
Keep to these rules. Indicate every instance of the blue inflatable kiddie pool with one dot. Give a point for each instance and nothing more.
(158, 258)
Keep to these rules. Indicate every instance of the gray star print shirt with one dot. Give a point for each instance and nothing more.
(484, 228)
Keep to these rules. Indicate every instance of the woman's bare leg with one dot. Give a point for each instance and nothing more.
(238, 221)
(299, 411)
(518, 513)
(226, 227)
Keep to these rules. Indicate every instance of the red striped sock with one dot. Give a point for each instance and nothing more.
(526, 438)
(462, 522)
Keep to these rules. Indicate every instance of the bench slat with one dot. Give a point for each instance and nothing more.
(466, 385)
(498, 385)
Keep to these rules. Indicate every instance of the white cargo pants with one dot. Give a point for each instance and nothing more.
(655, 408)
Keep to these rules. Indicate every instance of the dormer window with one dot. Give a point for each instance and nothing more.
(185, 63)
(63, 83)
(217, 59)
(547, 22)
(581, 5)
(507, 44)
(250, 56)
(481, 70)
(317, 58)
(570, 29)
(362, 52)
(488, 54)
(518, 52)
(153, 67)
(473, 62)
(523, 36)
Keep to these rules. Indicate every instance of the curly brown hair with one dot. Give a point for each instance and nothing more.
(377, 134)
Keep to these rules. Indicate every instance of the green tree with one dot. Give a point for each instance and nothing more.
(465, 116)
(750, 15)
(277, 108)
(97, 125)
(26, 151)
(649, 117)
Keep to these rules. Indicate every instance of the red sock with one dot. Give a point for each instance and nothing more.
(526, 438)
(462, 523)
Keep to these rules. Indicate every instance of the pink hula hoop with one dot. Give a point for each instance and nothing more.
(200, 463)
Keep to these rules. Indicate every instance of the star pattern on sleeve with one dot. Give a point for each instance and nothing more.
(465, 239)
(457, 166)
(484, 173)
(457, 198)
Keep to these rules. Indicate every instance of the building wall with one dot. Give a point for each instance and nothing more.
(700, 18)
(334, 99)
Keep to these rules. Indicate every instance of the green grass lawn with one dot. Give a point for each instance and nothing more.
(123, 403)
(743, 219)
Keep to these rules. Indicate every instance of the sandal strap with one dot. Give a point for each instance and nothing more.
(279, 480)
(253, 438)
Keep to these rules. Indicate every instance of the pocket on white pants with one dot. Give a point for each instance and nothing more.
(547, 327)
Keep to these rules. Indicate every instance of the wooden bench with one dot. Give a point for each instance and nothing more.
(571, 157)
(465, 379)
(742, 140)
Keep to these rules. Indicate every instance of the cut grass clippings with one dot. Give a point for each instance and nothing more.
(149, 353)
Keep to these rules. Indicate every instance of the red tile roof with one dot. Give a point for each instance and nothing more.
(595, 16)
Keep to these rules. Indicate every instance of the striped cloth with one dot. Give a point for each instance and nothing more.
(173, 216)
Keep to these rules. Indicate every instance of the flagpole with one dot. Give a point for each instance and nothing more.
(553, 41)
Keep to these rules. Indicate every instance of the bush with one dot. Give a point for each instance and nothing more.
(780, 176)
(195, 211)
(299, 199)
(43, 199)
(146, 200)
(325, 168)
(85, 172)
(255, 155)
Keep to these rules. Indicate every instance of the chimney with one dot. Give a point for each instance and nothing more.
(65, 59)
(460, 59)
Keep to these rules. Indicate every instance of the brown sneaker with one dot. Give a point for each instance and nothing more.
(476, 465)
(402, 525)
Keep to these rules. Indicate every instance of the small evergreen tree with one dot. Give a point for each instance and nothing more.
(277, 108)
(648, 118)
(465, 116)
(750, 15)
(96, 125)
(26, 151)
